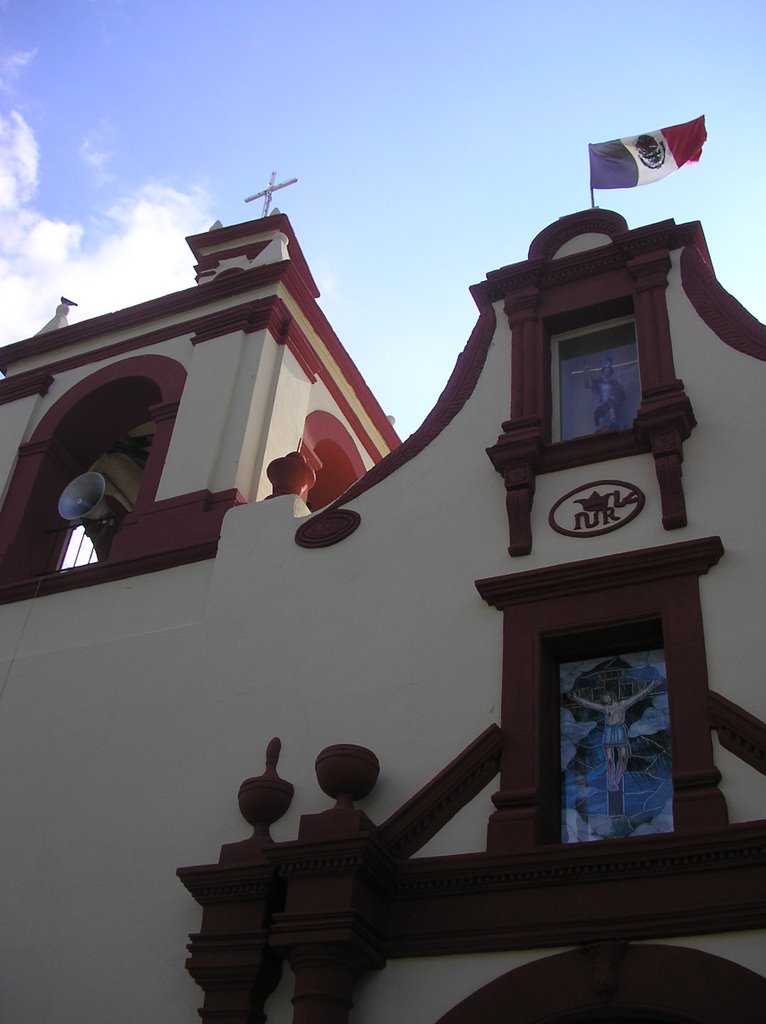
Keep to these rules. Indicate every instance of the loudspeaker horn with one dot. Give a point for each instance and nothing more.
(84, 498)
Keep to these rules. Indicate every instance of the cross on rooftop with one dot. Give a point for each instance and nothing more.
(267, 192)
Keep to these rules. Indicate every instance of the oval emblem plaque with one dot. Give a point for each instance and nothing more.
(596, 508)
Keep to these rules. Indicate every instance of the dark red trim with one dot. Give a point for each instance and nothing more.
(723, 314)
(160, 535)
(613, 982)
(208, 264)
(739, 732)
(177, 303)
(426, 813)
(547, 243)
(545, 296)
(458, 390)
(107, 572)
(36, 382)
(220, 241)
(337, 903)
(292, 273)
(628, 568)
(292, 336)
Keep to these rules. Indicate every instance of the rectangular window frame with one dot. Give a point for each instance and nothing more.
(591, 332)
(585, 606)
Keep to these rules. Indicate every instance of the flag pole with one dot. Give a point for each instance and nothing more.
(592, 200)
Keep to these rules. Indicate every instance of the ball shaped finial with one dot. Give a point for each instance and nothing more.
(347, 772)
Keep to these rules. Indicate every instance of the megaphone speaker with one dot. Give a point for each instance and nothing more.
(84, 498)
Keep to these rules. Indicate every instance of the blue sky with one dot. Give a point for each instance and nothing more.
(431, 140)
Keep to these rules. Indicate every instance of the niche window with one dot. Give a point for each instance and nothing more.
(614, 734)
(595, 381)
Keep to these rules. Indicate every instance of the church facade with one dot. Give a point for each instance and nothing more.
(463, 728)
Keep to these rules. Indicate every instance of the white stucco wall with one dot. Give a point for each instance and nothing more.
(130, 712)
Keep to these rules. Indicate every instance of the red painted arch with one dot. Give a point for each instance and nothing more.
(613, 982)
(73, 432)
(337, 460)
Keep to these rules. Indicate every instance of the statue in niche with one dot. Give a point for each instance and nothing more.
(610, 395)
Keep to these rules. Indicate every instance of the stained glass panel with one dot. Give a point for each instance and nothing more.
(615, 747)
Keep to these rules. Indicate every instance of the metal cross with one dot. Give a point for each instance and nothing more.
(268, 191)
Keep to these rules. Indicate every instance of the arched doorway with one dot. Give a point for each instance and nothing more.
(614, 983)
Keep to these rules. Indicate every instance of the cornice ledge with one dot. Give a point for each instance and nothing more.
(739, 731)
(217, 883)
(691, 557)
(723, 314)
(341, 927)
(36, 382)
(665, 855)
(144, 313)
(419, 819)
(358, 854)
(107, 572)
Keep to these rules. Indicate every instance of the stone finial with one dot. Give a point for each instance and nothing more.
(291, 474)
(346, 773)
(263, 799)
(60, 319)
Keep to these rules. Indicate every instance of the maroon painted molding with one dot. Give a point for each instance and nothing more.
(546, 295)
(428, 811)
(602, 222)
(36, 382)
(230, 958)
(568, 273)
(738, 731)
(292, 274)
(106, 572)
(292, 336)
(334, 875)
(723, 314)
(640, 888)
(458, 390)
(346, 896)
(620, 981)
(209, 262)
(134, 317)
(222, 238)
(583, 609)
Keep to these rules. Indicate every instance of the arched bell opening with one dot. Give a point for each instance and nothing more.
(117, 422)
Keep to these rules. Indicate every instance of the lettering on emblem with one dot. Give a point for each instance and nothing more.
(596, 508)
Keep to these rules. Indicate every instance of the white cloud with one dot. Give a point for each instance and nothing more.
(134, 251)
(18, 162)
(95, 151)
(11, 66)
